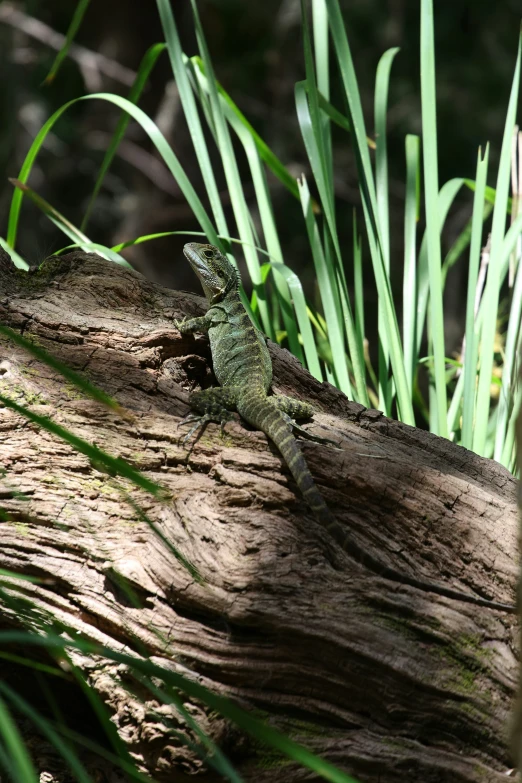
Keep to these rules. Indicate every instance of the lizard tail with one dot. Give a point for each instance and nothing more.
(255, 408)
(264, 416)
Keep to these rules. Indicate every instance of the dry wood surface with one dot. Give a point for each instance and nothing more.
(389, 682)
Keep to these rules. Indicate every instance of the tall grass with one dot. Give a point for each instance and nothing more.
(329, 340)
(459, 402)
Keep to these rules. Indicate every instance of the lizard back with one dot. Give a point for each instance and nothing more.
(239, 353)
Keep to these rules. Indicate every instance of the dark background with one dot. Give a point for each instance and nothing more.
(257, 53)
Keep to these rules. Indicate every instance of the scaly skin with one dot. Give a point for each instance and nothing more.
(243, 368)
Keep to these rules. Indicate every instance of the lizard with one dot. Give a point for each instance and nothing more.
(243, 369)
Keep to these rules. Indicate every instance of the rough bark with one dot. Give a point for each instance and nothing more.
(516, 718)
(389, 682)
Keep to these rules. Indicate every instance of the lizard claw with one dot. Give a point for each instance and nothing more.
(201, 422)
(310, 436)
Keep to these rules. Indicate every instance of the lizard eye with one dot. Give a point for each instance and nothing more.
(208, 254)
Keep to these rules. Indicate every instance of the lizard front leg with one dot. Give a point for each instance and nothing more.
(213, 404)
(191, 325)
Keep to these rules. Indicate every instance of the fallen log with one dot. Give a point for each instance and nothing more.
(385, 680)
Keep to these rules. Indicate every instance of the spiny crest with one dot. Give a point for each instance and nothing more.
(216, 274)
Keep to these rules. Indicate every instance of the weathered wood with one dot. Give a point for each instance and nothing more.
(516, 718)
(387, 681)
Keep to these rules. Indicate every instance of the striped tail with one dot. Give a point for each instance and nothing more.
(264, 416)
(255, 408)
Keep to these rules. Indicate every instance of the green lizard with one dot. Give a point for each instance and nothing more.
(243, 368)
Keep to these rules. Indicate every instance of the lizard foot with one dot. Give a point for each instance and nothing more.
(201, 423)
(315, 438)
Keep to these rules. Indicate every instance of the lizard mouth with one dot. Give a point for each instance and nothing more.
(191, 252)
(198, 262)
(203, 268)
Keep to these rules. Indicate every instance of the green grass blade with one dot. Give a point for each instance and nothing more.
(316, 135)
(96, 748)
(358, 282)
(48, 731)
(17, 259)
(111, 252)
(277, 168)
(512, 346)
(354, 102)
(266, 216)
(255, 727)
(321, 54)
(114, 465)
(306, 125)
(508, 245)
(147, 64)
(90, 247)
(369, 199)
(68, 228)
(490, 194)
(296, 290)
(235, 188)
(191, 113)
(461, 243)
(275, 165)
(312, 131)
(491, 292)
(7, 766)
(74, 26)
(207, 748)
(157, 138)
(338, 118)
(36, 666)
(225, 240)
(454, 408)
(5, 573)
(193, 571)
(149, 237)
(509, 453)
(409, 285)
(447, 195)
(320, 28)
(15, 750)
(382, 82)
(438, 415)
(73, 377)
(329, 295)
(101, 712)
(50, 211)
(349, 327)
(108, 253)
(471, 356)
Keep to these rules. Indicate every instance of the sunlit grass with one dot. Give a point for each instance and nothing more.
(277, 302)
(331, 341)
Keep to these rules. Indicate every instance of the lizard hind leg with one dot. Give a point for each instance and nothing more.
(297, 409)
(213, 404)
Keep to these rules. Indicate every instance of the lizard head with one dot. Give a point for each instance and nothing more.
(216, 274)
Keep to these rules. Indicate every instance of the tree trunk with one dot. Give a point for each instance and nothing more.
(389, 682)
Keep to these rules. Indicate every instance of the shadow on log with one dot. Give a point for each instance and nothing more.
(389, 682)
